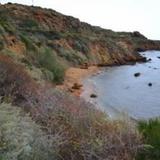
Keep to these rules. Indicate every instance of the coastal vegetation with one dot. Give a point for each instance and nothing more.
(151, 134)
(39, 121)
(69, 127)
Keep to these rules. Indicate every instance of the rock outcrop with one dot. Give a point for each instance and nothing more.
(26, 29)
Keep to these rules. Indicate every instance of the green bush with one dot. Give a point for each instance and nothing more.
(75, 57)
(20, 137)
(44, 58)
(6, 26)
(81, 46)
(2, 30)
(151, 133)
(48, 60)
(1, 45)
(47, 74)
(29, 23)
(28, 42)
(5, 21)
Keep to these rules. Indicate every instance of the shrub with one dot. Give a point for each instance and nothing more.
(151, 132)
(21, 138)
(28, 42)
(1, 45)
(44, 58)
(47, 74)
(5, 21)
(51, 35)
(76, 130)
(81, 46)
(88, 133)
(48, 60)
(15, 83)
(29, 23)
(6, 26)
(74, 57)
(3, 18)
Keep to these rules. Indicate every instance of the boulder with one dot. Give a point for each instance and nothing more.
(149, 84)
(137, 74)
(93, 95)
(148, 60)
(76, 86)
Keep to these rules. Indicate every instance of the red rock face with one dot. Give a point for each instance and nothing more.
(72, 40)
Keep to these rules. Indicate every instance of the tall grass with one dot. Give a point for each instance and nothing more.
(151, 132)
(73, 128)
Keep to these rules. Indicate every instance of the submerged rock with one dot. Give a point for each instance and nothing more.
(93, 95)
(148, 60)
(149, 84)
(137, 74)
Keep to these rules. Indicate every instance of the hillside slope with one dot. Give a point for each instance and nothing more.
(38, 121)
(24, 29)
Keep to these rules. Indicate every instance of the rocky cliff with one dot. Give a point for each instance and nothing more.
(40, 122)
(26, 30)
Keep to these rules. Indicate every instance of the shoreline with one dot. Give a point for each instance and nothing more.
(74, 77)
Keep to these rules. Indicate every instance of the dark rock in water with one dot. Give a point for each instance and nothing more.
(149, 84)
(155, 68)
(143, 59)
(158, 57)
(140, 50)
(93, 95)
(149, 67)
(137, 74)
(148, 60)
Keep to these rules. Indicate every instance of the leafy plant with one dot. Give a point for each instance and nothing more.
(28, 42)
(48, 60)
(151, 132)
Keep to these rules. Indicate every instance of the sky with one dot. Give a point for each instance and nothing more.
(118, 15)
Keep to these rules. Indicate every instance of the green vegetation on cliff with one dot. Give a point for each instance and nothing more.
(29, 31)
(40, 122)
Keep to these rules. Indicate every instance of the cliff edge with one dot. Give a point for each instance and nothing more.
(74, 41)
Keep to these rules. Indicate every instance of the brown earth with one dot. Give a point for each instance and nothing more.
(75, 76)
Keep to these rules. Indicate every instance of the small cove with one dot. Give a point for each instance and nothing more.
(119, 91)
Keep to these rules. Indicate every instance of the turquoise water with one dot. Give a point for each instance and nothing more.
(119, 91)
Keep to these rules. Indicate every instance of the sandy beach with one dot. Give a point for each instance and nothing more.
(74, 77)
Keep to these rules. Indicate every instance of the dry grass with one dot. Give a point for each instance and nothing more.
(76, 129)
